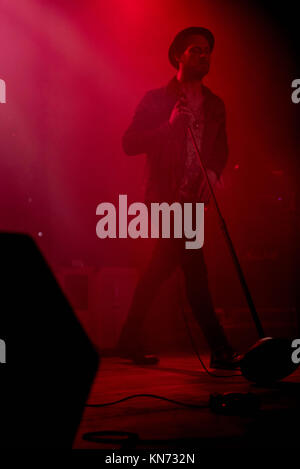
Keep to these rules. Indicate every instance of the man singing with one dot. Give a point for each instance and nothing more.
(159, 129)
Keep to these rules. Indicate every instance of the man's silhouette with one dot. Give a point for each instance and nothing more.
(159, 129)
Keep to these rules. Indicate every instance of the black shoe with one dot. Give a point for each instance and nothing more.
(138, 357)
(225, 360)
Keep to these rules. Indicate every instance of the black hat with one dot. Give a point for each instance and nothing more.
(179, 41)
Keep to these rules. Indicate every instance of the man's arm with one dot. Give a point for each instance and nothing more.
(143, 133)
(220, 149)
(218, 158)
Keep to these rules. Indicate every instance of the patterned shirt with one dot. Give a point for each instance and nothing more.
(192, 174)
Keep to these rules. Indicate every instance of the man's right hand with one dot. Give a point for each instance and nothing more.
(181, 114)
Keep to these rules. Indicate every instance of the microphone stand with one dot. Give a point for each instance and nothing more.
(228, 240)
(269, 359)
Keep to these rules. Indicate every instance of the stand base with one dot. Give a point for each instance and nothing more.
(268, 361)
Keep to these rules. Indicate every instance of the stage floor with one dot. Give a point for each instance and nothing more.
(163, 425)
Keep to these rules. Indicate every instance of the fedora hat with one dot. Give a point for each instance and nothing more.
(179, 41)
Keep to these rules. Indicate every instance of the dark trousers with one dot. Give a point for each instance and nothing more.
(167, 255)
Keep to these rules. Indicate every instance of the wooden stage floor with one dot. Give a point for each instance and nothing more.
(163, 425)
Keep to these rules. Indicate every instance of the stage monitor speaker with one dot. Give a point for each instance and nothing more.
(47, 363)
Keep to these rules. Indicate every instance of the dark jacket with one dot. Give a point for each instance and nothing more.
(150, 133)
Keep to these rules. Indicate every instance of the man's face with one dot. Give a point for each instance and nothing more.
(195, 60)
